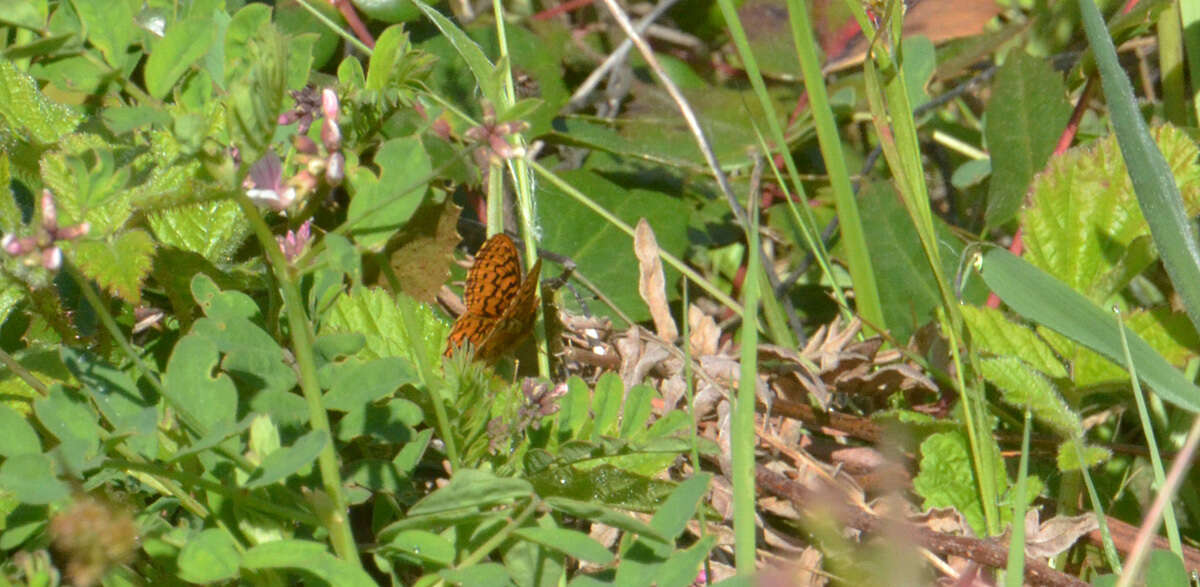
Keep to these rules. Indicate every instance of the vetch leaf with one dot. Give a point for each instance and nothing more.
(287, 460)
(191, 387)
(423, 545)
(30, 478)
(604, 515)
(19, 437)
(570, 542)
(472, 488)
(307, 556)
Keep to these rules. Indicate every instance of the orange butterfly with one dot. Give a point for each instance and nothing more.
(500, 305)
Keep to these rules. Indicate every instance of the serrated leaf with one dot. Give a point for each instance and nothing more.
(118, 265)
(1069, 456)
(213, 229)
(185, 42)
(1084, 215)
(29, 111)
(377, 207)
(1026, 113)
(1022, 386)
(378, 317)
(998, 335)
(947, 477)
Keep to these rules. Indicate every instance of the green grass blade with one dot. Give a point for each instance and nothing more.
(1153, 182)
(1039, 297)
(1014, 573)
(743, 433)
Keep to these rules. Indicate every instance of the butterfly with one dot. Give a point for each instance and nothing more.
(500, 305)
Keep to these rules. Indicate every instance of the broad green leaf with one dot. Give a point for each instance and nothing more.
(119, 265)
(636, 411)
(208, 557)
(213, 229)
(573, 409)
(19, 437)
(120, 401)
(70, 418)
(1047, 301)
(225, 306)
(375, 314)
(390, 46)
(184, 43)
(424, 545)
(1026, 113)
(355, 385)
(388, 10)
(1153, 178)
(1020, 385)
(1164, 568)
(278, 465)
(470, 52)
(245, 25)
(1083, 224)
(380, 206)
(109, 26)
(570, 542)
(29, 111)
(30, 14)
(947, 477)
(672, 517)
(602, 251)
(306, 556)
(683, 567)
(997, 335)
(393, 422)
(30, 478)
(480, 574)
(210, 401)
(471, 488)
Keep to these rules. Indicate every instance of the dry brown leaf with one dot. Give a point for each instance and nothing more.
(704, 334)
(652, 285)
(421, 253)
(1055, 535)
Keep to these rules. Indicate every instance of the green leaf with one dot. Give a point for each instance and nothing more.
(28, 110)
(31, 479)
(996, 334)
(374, 314)
(208, 557)
(213, 229)
(30, 14)
(209, 401)
(573, 409)
(604, 515)
(306, 556)
(118, 265)
(570, 542)
(69, 417)
(947, 477)
(471, 488)
(392, 423)
(1021, 385)
(602, 251)
(423, 545)
(19, 437)
(481, 574)
(109, 26)
(1083, 225)
(119, 400)
(1153, 180)
(683, 567)
(377, 207)
(1069, 457)
(357, 384)
(1164, 568)
(184, 43)
(636, 411)
(606, 404)
(391, 46)
(1026, 113)
(278, 465)
(672, 517)
(481, 67)
(1045, 300)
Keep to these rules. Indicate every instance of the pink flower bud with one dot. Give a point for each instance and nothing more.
(335, 171)
(329, 104)
(49, 212)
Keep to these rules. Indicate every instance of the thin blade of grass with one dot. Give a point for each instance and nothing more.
(1014, 573)
(1043, 299)
(743, 433)
(1157, 193)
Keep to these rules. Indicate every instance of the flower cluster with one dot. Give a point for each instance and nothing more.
(265, 184)
(41, 248)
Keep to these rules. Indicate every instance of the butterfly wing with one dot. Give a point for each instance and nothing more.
(494, 279)
(469, 328)
(517, 321)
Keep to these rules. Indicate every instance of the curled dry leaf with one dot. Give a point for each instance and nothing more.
(652, 285)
